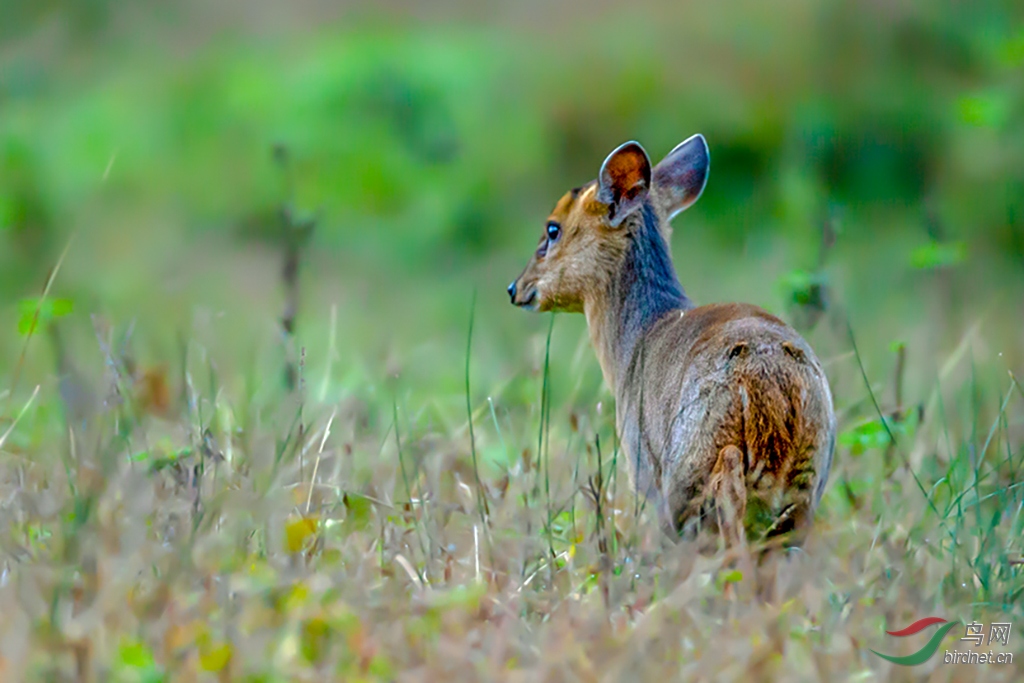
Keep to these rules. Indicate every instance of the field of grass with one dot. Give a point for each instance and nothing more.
(420, 482)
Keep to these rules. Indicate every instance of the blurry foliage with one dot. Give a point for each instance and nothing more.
(86, 18)
(874, 434)
(26, 219)
(135, 662)
(427, 144)
(805, 295)
(34, 312)
(937, 254)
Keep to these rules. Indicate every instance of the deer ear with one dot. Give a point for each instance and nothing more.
(624, 181)
(680, 177)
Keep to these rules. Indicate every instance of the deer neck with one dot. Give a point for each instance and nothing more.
(643, 291)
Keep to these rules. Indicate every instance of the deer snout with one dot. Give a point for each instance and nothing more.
(523, 295)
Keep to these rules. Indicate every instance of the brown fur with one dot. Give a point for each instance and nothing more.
(724, 411)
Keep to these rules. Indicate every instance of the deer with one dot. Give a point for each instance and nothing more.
(723, 411)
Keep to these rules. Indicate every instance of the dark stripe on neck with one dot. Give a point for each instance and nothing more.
(649, 281)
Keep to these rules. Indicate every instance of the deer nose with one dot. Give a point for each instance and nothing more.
(512, 291)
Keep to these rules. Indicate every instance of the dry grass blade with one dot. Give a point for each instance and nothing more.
(319, 454)
(24, 409)
(413, 576)
(35, 316)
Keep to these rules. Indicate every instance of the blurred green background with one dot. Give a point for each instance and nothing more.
(431, 140)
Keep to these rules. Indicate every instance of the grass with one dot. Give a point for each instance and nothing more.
(205, 529)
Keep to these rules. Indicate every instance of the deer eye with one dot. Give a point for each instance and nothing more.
(554, 231)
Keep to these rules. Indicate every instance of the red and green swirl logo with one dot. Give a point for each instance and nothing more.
(929, 649)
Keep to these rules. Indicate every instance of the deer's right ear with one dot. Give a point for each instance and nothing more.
(680, 177)
(624, 181)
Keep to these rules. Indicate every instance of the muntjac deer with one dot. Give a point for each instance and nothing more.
(723, 410)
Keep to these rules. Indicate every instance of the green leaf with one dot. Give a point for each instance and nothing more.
(33, 311)
(135, 654)
(873, 433)
(61, 307)
(26, 325)
(215, 657)
(359, 511)
(938, 254)
(135, 657)
(140, 456)
(315, 639)
(865, 437)
(802, 288)
(988, 110)
(298, 530)
(725, 578)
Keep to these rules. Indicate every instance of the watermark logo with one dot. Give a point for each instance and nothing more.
(998, 633)
(926, 652)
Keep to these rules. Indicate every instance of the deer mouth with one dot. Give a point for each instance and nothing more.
(529, 300)
(523, 299)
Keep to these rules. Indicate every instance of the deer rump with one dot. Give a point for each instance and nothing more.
(738, 436)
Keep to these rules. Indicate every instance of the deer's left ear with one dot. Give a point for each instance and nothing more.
(624, 181)
(680, 177)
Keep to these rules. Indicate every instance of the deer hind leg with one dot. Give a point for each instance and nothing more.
(728, 489)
